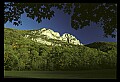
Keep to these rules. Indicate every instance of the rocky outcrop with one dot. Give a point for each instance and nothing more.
(50, 33)
(70, 39)
(48, 36)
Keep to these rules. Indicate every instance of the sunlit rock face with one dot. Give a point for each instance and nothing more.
(70, 39)
(46, 36)
(50, 33)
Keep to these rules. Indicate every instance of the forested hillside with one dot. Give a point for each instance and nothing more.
(22, 53)
(103, 46)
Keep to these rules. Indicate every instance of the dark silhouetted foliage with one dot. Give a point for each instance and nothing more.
(104, 14)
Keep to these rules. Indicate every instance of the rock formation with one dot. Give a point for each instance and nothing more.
(49, 37)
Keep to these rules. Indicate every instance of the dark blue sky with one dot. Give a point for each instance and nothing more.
(62, 23)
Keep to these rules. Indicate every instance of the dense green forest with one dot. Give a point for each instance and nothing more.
(22, 53)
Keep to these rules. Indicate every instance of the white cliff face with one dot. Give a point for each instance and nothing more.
(43, 41)
(70, 39)
(50, 34)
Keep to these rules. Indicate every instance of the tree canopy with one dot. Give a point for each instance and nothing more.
(104, 14)
(22, 53)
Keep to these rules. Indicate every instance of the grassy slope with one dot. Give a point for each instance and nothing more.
(83, 74)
